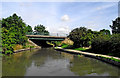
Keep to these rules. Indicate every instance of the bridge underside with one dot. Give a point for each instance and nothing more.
(41, 40)
(41, 43)
(47, 39)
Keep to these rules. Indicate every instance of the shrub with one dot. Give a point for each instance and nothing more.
(105, 44)
(13, 32)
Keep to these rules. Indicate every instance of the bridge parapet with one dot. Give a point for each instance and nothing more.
(48, 34)
(45, 38)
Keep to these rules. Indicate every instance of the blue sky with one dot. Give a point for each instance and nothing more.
(62, 17)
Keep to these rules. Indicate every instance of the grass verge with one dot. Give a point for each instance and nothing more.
(111, 58)
(64, 46)
(80, 49)
(68, 46)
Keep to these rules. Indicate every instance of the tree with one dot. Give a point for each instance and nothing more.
(13, 32)
(116, 26)
(104, 32)
(82, 37)
(0, 36)
(41, 30)
(29, 28)
(78, 36)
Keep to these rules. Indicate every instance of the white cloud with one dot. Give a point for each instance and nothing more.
(105, 6)
(64, 29)
(65, 18)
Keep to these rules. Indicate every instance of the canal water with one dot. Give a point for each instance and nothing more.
(49, 62)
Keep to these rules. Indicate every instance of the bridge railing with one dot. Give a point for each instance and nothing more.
(36, 33)
(48, 34)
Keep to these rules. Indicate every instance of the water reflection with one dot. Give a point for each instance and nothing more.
(91, 67)
(16, 65)
(48, 62)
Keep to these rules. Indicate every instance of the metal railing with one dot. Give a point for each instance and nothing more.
(48, 34)
(36, 33)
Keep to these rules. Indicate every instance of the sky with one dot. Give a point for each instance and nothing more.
(62, 17)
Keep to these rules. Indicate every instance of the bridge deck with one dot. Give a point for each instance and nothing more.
(43, 36)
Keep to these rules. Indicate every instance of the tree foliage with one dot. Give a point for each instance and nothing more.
(104, 32)
(101, 42)
(13, 32)
(116, 26)
(82, 36)
(41, 29)
(28, 29)
(0, 36)
(105, 44)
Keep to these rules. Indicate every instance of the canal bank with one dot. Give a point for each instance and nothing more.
(24, 50)
(105, 58)
(30, 48)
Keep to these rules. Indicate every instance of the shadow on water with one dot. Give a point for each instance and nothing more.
(48, 62)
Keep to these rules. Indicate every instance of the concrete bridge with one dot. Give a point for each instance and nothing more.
(41, 40)
(45, 38)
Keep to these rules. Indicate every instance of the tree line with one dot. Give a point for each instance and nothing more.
(100, 41)
(14, 31)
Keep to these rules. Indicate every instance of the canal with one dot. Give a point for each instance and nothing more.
(49, 62)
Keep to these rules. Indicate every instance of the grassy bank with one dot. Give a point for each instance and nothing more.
(80, 49)
(111, 58)
(108, 59)
(66, 46)
(28, 45)
(18, 48)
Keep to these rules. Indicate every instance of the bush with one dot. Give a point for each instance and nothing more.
(105, 44)
(13, 32)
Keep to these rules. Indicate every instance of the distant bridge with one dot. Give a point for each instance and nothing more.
(45, 38)
(40, 39)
